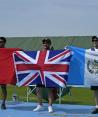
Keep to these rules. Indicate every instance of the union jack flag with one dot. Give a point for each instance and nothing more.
(49, 68)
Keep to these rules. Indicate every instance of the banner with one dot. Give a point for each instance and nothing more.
(49, 68)
(83, 67)
(7, 72)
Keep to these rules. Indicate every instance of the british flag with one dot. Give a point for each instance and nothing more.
(49, 68)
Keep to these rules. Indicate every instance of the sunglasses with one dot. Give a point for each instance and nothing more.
(94, 40)
(1, 41)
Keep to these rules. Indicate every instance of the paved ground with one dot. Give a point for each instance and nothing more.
(22, 109)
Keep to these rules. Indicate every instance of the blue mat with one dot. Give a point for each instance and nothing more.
(24, 109)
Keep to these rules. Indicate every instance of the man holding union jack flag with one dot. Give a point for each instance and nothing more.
(46, 46)
(48, 69)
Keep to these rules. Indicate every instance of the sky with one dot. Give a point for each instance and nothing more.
(33, 18)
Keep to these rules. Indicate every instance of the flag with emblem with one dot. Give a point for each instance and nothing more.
(49, 68)
(83, 67)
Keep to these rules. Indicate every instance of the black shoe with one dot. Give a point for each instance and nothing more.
(3, 106)
(95, 111)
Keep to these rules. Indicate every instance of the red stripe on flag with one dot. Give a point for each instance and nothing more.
(45, 67)
(21, 56)
(31, 79)
(63, 53)
(58, 78)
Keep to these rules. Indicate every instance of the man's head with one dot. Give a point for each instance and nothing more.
(46, 43)
(94, 38)
(95, 41)
(2, 42)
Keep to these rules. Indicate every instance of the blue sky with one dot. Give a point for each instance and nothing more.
(48, 18)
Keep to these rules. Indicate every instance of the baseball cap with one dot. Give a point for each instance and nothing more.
(47, 40)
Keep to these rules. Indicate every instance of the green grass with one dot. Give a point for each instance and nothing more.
(82, 96)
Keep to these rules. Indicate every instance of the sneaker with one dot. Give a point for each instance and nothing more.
(38, 108)
(95, 111)
(3, 106)
(50, 109)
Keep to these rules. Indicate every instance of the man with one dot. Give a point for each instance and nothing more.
(95, 88)
(51, 91)
(3, 86)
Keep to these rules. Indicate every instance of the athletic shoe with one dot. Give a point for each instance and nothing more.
(95, 111)
(50, 109)
(3, 106)
(38, 108)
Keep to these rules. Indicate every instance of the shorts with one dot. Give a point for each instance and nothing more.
(39, 85)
